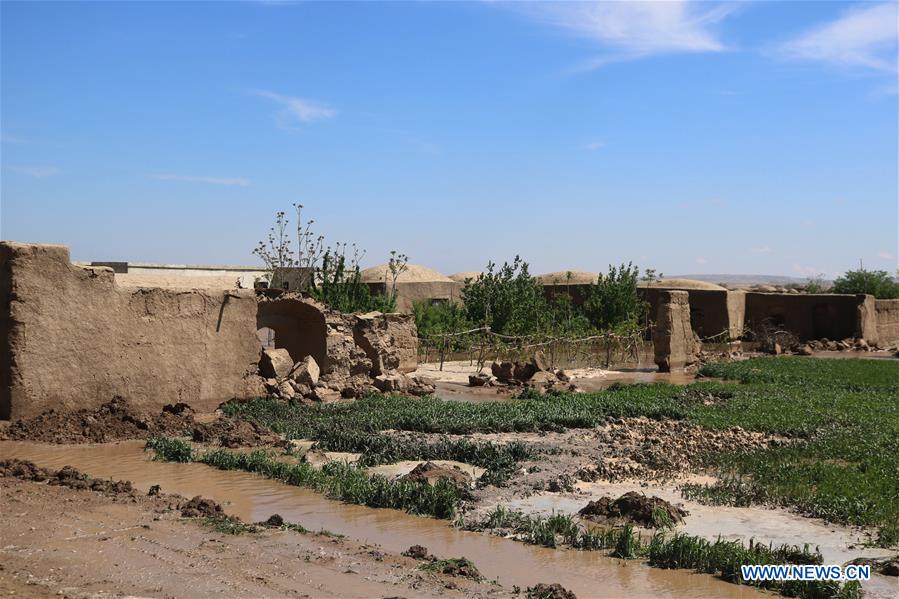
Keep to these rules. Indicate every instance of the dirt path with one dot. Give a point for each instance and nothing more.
(60, 541)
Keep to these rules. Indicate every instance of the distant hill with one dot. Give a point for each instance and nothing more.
(745, 280)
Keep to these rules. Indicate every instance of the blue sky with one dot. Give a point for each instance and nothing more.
(750, 137)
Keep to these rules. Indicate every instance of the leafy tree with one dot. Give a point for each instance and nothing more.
(878, 283)
(510, 301)
(613, 301)
(434, 318)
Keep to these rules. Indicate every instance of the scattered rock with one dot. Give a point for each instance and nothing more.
(481, 379)
(275, 363)
(805, 350)
(633, 507)
(306, 372)
(391, 383)
(503, 371)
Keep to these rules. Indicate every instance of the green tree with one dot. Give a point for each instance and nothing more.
(510, 301)
(878, 283)
(613, 302)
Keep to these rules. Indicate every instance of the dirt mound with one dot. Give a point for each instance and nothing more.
(549, 591)
(460, 566)
(429, 472)
(65, 477)
(649, 512)
(113, 421)
(419, 552)
(234, 433)
(200, 507)
(274, 521)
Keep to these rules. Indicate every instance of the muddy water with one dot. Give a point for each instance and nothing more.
(461, 391)
(253, 499)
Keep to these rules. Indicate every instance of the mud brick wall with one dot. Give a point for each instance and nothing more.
(817, 316)
(887, 312)
(712, 312)
(71, 338)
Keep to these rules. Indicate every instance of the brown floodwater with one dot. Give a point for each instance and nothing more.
(253, 498)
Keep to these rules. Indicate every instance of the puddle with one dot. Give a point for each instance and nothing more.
(732, 523)
(253, 499)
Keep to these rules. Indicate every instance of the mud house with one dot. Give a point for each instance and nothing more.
(74, 336)
(415, 283)
(715, 312)
(573, 284)
(818, 316)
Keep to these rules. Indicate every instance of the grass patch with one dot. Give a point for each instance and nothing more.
(341, 481)
(170, 450)
(499, 461)
(720, 558)
(228, 526)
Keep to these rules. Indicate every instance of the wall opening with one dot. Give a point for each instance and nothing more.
(266, 337)
(295, 326)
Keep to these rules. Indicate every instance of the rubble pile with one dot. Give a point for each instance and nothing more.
(364, 354)
(849, 344)
(535, 374)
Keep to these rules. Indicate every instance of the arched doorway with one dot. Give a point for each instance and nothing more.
(297, 326)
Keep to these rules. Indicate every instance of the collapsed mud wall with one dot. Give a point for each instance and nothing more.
(713, 312)
(673, 338)
(887, 315)
(72, 338)
(813, 316)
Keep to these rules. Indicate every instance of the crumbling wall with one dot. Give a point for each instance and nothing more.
(71, 338)
(887, 314)
(713, 312)
(809, 316)
(389, 340)
(673, 339)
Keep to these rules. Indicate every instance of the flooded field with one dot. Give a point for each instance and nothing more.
(253, 499)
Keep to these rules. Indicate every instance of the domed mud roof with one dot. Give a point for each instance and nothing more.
(414, 273)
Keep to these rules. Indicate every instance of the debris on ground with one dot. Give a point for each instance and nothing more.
(461, 567)
(232, 433)
(201, 507)
(429, 472)
(633, 507)
(115, 420)
(419, 552)
(549, 591)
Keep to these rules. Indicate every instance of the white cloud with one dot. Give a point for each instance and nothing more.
(594, 145)
(297, 109)
(238, 181)
(633, 30)
(764, 249)
(885, 255)
(34, 170)
(701, 260)
(862, 37)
